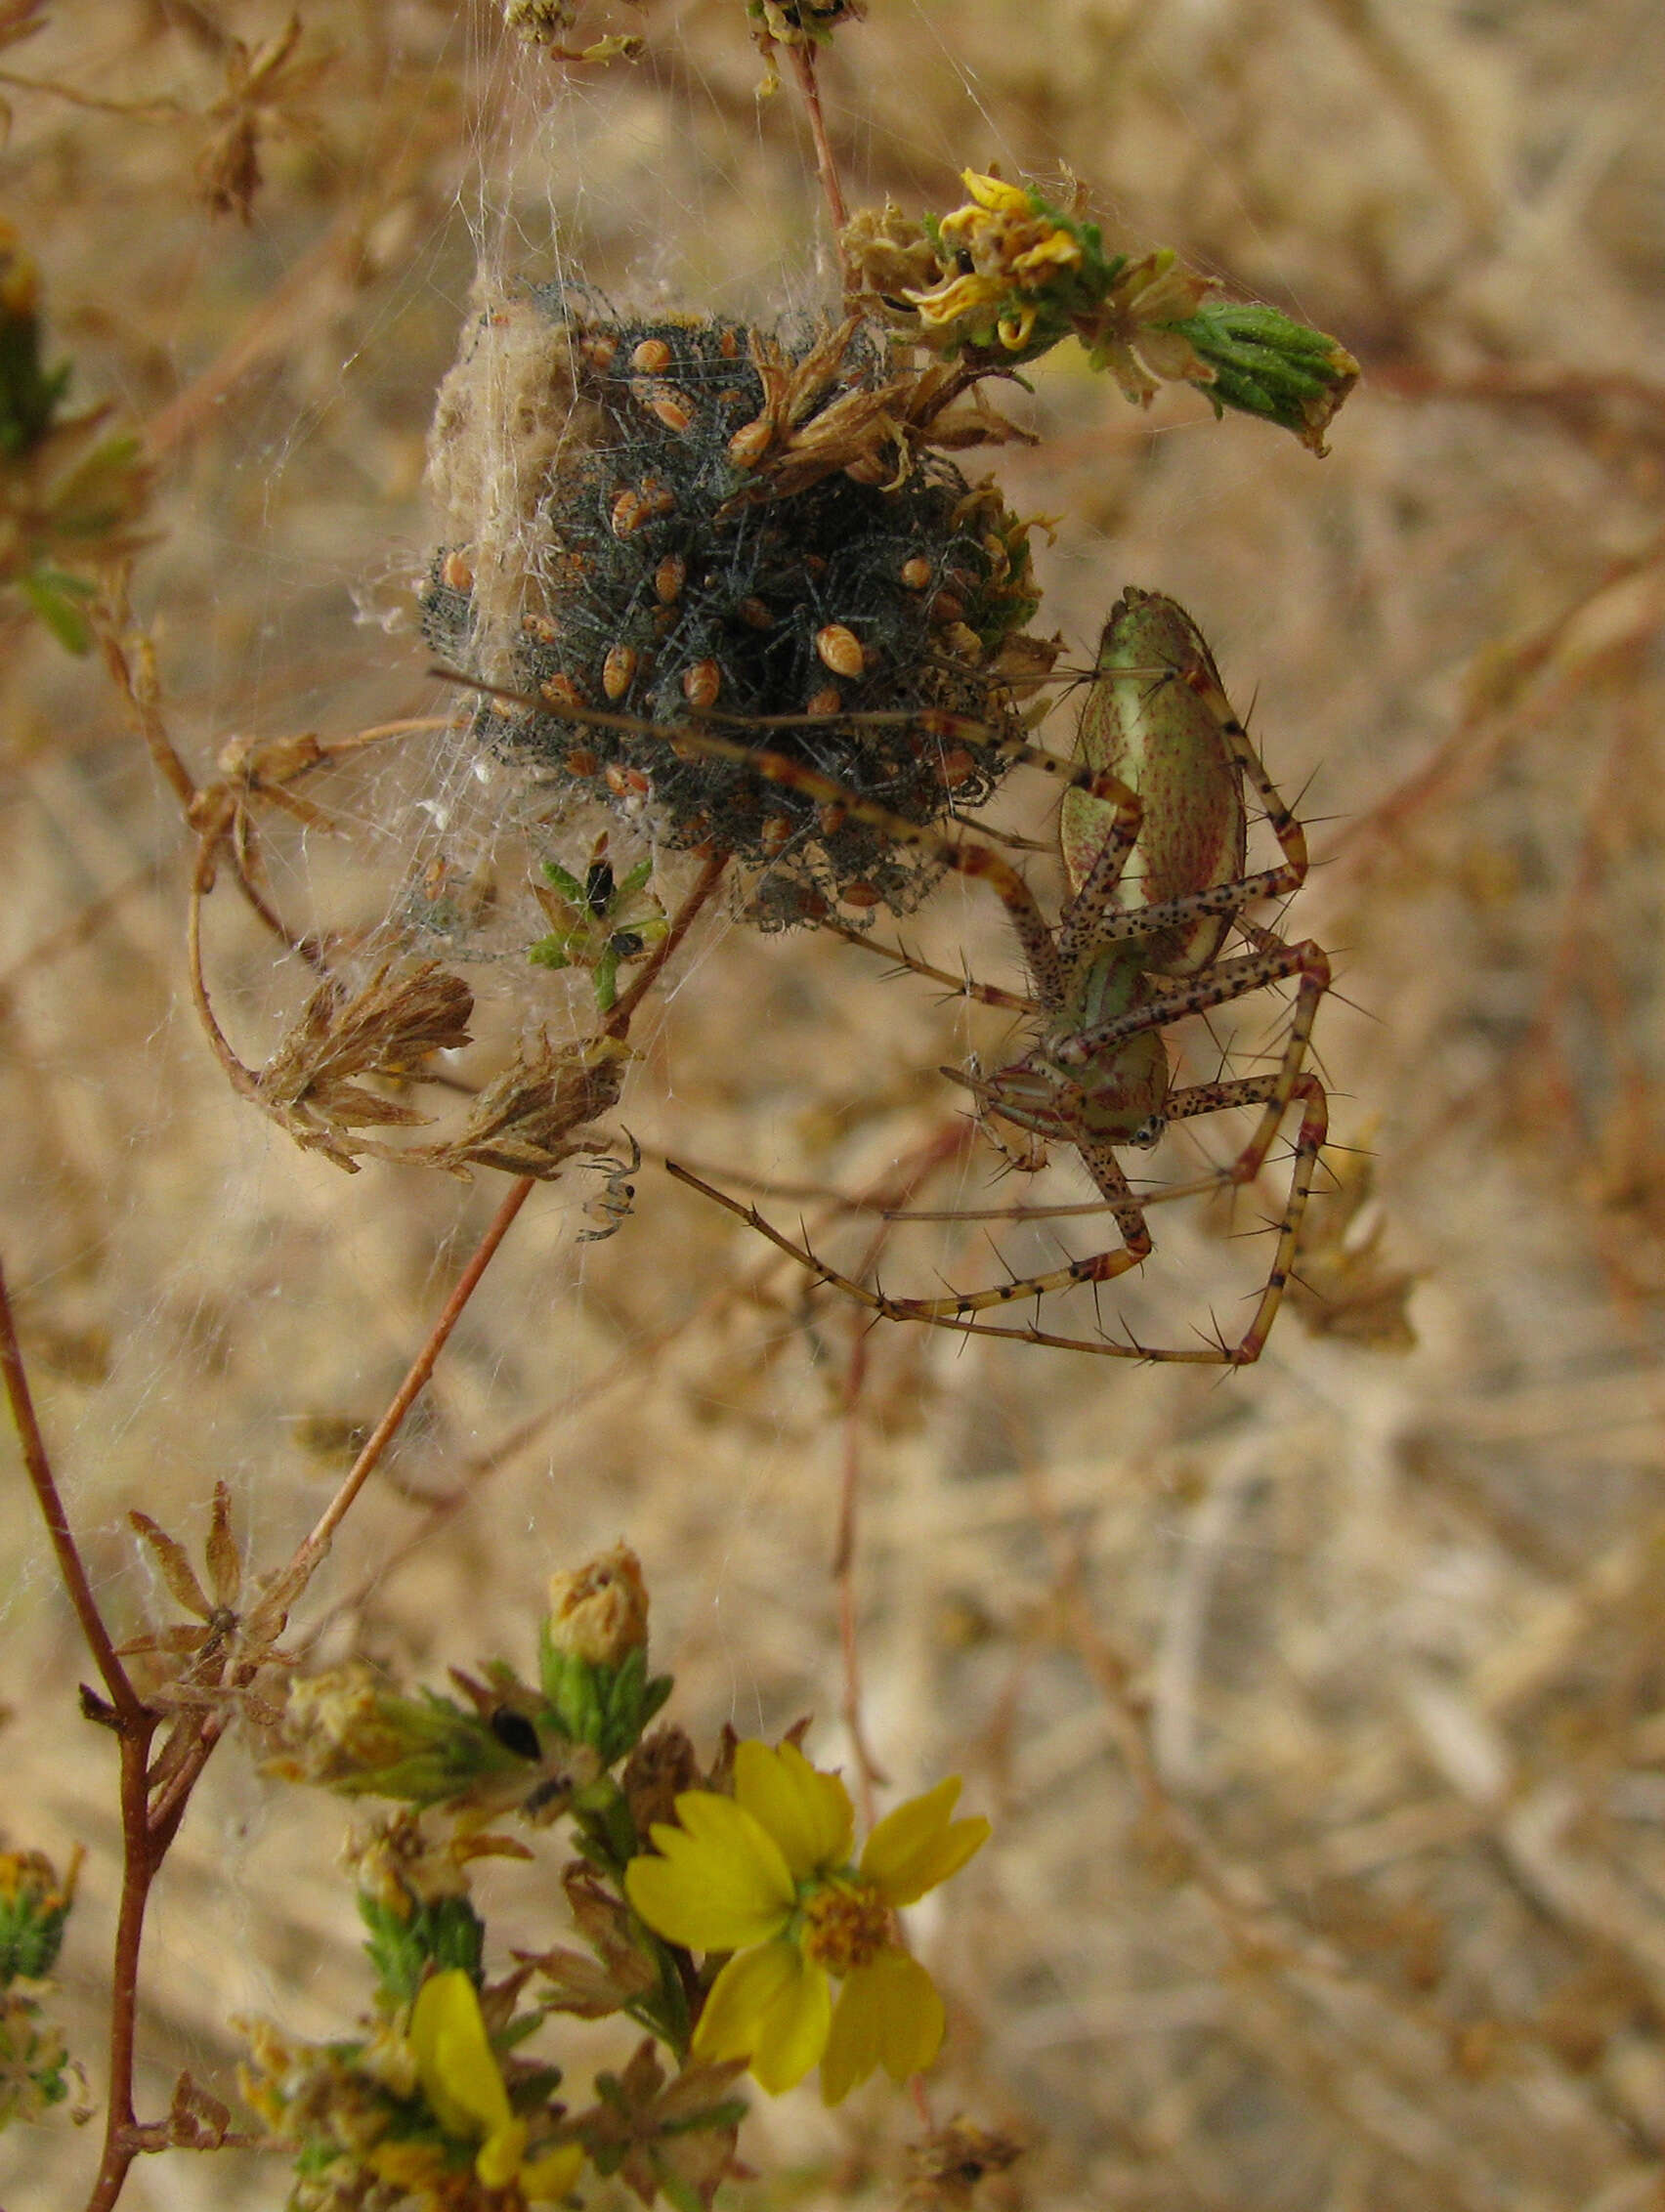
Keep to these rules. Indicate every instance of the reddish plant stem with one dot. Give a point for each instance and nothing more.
(113, 1674)
(142, 1852)
(242, 1079)
(134, 1725)
(870, 1775)
(802, 62)
(711, 875)
(307, 1559)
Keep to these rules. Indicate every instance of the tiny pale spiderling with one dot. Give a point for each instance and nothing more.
(767, 1875)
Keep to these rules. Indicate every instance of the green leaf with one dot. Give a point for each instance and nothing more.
(53, 595)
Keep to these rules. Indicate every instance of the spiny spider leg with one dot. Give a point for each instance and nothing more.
(895, 1309)
(964, 854)
(1161, 766)
(1119, 968)
(960, 986)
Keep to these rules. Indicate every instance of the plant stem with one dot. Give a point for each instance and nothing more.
(122, 1694)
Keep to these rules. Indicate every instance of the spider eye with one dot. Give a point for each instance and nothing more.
(1148, 1132)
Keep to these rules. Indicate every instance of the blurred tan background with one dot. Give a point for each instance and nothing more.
(1318, 1706)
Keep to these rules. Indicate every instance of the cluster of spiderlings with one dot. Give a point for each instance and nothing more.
(670, 579)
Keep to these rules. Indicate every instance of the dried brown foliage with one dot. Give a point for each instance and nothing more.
(1323, 1707)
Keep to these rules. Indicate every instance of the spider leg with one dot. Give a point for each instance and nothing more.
(1119, 924)
(961, 986)
(965, 855)
(1088, 920)
(1277, 1093)
(1100, 1268)
(1214, 987)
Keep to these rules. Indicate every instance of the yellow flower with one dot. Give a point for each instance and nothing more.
(767, 1875)
(1008, 246)
(463, 2085)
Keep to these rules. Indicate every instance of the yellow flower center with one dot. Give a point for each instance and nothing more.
(846, 1925)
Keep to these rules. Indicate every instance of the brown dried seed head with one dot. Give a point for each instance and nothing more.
(957, 767)
(669, 578)
(728, 344)
(581, 763)
(540, 627)
(828, 700)
(832, 817)
(755, 615)
(599, 351)
(455, 573)
(652, 358)
(560, 691)
(700, 685)
(962, 641)
(774, 835)
(748, 444)
(860, 894)
(617, 669)
(916, 573)
(841, 649)
(945, 607)
(872, 468)
(626, 782)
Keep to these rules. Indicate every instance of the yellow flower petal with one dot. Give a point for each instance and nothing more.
(1057, 250)
(995, 193)
(918, 1846)
(809, 1814)
(1014, 329)
(552, 2174)
(720, 1882)
(460, 2074)
(499, 2159)
(888, 2014)
(772, 2008)
(956, 296)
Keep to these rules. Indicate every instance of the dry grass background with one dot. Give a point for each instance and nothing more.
(1319, 1708)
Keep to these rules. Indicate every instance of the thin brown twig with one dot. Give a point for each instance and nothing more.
(139, 690)
(38, 1466)
(134, 1724)
(870, 1775)
(242, 1079)
(307, 1558)
(802, 62)
(618, 1021)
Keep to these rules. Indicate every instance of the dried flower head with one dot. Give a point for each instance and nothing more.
(1012, 274)
(346, 1730)
(600, 1612)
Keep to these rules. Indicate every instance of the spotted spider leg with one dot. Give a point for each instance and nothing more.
(1122, 1011)
(1116, 972)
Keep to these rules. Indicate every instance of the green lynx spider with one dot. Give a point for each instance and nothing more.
(1162, 765)
(1169, 764)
